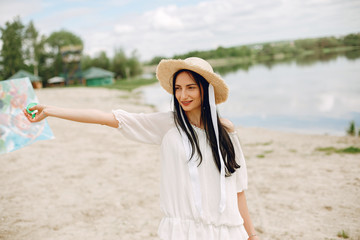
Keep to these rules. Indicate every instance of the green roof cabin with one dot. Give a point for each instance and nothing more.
(35, 80)
(98, 77)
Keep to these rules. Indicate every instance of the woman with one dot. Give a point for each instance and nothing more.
(203, 168)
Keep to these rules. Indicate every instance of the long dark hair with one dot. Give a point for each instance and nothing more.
(226, 146)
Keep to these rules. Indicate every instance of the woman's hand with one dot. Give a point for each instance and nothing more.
(254, 237)
(40, 114)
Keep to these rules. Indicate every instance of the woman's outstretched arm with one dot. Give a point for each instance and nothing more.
(77, 115)
(243, 209)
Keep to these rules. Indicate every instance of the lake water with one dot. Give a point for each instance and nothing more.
(319, 97)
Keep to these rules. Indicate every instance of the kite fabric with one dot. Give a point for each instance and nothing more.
(16, 131)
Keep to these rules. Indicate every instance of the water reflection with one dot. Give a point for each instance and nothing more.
(352, 55)
(307, 60)
(307, 95)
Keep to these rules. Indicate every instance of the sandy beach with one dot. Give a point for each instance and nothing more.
(92, 183)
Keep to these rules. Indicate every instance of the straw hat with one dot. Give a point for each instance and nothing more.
(168, 67)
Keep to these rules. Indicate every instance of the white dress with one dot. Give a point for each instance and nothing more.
(181, 220)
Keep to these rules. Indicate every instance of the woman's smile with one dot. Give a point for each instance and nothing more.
(186, 103)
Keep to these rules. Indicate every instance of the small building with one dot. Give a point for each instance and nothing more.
(98, 77)
(56, 81)
(35, 80)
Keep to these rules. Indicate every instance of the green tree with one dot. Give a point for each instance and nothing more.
(220, 52)
(352, 40)
(266, 53)
(306, 44)
(243, 51)
(55, 41)
(288, 50)
(134, 65)
(351, 130)
(34, 47)
(268, 50)
(11, 52)
(86, 62)
(328, 42)
(118, 63)
(63, 38)
(101, 61)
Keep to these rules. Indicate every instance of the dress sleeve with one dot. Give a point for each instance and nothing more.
(241, 173)
(144, 127)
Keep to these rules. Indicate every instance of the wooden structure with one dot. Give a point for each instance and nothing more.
(35, 80)
(71, 58)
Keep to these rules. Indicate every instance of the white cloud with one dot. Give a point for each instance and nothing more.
(70, 19)
(119, 28)
(165, 18)
(13, 8)
(169, 29)
(99, 42)
(174, 29)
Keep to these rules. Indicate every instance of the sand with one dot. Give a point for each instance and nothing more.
(92, 183)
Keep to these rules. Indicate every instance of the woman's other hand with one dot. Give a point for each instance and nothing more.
(39, 115)
(254, 237)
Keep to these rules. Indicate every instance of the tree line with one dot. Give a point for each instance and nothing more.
(275, 50)
(24, 48)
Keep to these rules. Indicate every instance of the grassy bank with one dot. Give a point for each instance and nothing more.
(131, 84)
(124, 84)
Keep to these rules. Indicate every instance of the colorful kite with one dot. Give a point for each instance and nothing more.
(15, 129)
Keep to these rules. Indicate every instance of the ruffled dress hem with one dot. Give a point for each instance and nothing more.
(188, 229)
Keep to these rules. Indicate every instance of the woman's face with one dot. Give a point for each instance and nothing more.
(187, 92)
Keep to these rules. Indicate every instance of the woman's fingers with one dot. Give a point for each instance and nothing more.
(27, 115)
(39, 115)
(34, 108)
(37, 107)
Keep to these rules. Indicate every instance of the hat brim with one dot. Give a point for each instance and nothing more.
(168, 67)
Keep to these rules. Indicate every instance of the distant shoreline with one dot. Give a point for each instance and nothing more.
(231, 61)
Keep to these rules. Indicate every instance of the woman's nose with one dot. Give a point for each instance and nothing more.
(183, 94)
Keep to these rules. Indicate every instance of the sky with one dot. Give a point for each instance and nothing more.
(164, 28)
